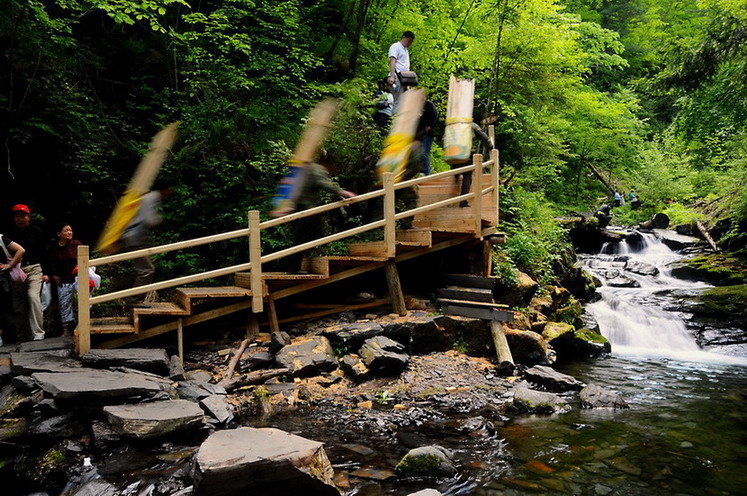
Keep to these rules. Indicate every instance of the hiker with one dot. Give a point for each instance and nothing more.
(604, 215)
(618, 199)
(635, 202)
(424, 133)
(137, 234)
(7, 263)
(35, 264)
(483, 139)
(384, 104)
(64, 255)
(311, 228)
(399, 61)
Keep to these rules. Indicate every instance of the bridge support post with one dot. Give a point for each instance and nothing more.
(502, 351)
(477, 200)
(395, 288)
(390, 230)
(83, 332)
(495, 183)
(255, 258)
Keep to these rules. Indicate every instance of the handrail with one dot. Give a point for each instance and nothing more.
(253, 232)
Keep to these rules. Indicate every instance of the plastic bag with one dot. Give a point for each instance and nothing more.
(46, 295)
(94, 280)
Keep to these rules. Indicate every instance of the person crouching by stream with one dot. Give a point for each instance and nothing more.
(64, 255)
(7, 263)
(311, 228)
(137, 234)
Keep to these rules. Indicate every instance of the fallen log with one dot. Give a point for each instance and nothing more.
(707, 236)
(257, 377)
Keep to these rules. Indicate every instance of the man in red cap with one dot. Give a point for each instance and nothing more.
(26, 295)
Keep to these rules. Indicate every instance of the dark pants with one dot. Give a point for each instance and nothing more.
(145, 272)
(303, 231)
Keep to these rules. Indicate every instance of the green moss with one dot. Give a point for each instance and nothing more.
(591, 336)
(419, 465)
(37, 466)
(554, 330)
(723, 301)
(720, 268)
(570, 313)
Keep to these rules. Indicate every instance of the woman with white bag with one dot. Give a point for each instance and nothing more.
(64, 268)
(8, 271)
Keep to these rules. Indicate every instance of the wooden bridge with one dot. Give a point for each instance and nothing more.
(439, 223)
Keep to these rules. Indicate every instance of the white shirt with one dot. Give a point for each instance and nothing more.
(401, 55)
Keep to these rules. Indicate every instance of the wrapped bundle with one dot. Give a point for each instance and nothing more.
(397, 145)
(458, 132)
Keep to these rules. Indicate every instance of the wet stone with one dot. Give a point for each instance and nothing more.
(641, 268)
(198, 376)
(530, 401)
(95, 384)
(426, 492)
(355, 368)
(97, 487)
(13, 427)
(191, 390)
(259, 462)
(623, 282)
(12, 401)
(28, 363)
(150, 360)
(593, 396)
(103, 435)
(432, 461)
(308, 357)
(217, 407)
(158, 418)
(552, 379)
(381, 354)
(24, 384)
(63, 426)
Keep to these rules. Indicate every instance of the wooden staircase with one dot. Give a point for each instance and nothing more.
(438, 229)
(472, 296)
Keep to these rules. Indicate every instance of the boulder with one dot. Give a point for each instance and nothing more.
(519, 294)
(527, 347)
(262, 462)
(381, 354)
(641, 268)
(155, 419)
(354, 367)
(308, 357)
(29, 362)
(62, 426)
(593, 396)
(674, 240)
(149, 360)
(278, 340)
(554, 330)
(217, 407)
(354, 333)
(95, 384)
(623, 282)
(530, 401)
(570, 313)
(427, 461)
(581, 344)
(722, 305)
(103, 435)
(552, 379)
(192, 391)
(24, 384)
(719, 269)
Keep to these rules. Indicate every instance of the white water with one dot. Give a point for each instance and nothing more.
(636, 320)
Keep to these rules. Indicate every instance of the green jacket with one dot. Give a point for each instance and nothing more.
(317, 180)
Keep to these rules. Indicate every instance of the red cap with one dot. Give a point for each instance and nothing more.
(21, 208)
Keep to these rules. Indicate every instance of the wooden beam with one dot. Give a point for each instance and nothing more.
(477, 191)
(395, 288)
(502, 351)
(252, 325)
(495, 184)
(272, 314)
(330, 311)
(180, 339)
(390, 230)
(255, 259)
(83, 332)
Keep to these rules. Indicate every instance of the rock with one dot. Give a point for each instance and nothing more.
(582, 344)
(155, 419)
(176, 369)
(518, 294)
(354, 367)
(530, 401)
(63, 426)
(103, 435)
(13, 427)
(719, 269)
(570, 313)
(723, 305)
(674, 240)
(384, 355)
(593, 396)
(150, 360)
(527, 347)
(641, 268)
(192, 391)
(201, 376)
(95, 384)
(623, 282)
(542, 304)
(30, 362)
(554, 330)
(307, 357)
(49, 344)
(353, 334)
(24, 384)
(278, 340)
(552, 379)
(217, 407)
(433, 461)
(96, 487)
(261, 462)
(257, 360)
(426, 492)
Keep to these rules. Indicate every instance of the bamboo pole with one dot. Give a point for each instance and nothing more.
(477, 191)
(255, 259)
(390, 231)
(83, 332)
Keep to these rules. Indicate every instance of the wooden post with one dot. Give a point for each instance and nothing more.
(180, 339)
(502, 351)
(255, 258)
(491, 135)
(252, 326)
(390, 231)
(83, 333)
(395, 289)
(495, 182)
(477, 190)
(272, 314)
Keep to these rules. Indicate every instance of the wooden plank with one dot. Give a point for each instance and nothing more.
(476, 304)
(83, 332)
(479, 313)
(471, 294)
(495, 183)
(272, 314)
(469, 281)
(290, 276)
(316, 265)
(414, 237)
(160, 308)
(337, 309)
(390, 231)
(255, 258)
(375, 249)
(477, 190)
(395, 288)
(502, 351)
(128, 328)
(215, 292)
(180, 339)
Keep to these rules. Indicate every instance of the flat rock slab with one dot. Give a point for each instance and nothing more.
(530, 401)
(593, 396)
(217, 407)
(95, 384)
(149, 420)
(149, 360)
(552, 379)
(27, 363)
(49, 344)
(262, 462)
(381, 354)
(308, 357)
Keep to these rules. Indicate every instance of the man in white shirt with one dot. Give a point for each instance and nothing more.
(399, 60)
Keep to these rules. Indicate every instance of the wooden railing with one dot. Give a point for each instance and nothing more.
(253, 233)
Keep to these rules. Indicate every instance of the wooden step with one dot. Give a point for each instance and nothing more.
(158, 309)
(376, 249)
(469, 281)
(414, 237)
(316, 265)
(476, 304)
(113, 325)
(184, 296)
(477, 310)
(291, 276)
(470, 294)
(341, 261)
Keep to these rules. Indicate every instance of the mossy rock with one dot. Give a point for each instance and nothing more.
(426, 461)
(570, 314)
(554, 330)
(719, 269)
(38, 465)
(583, 344)
(725, 303)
